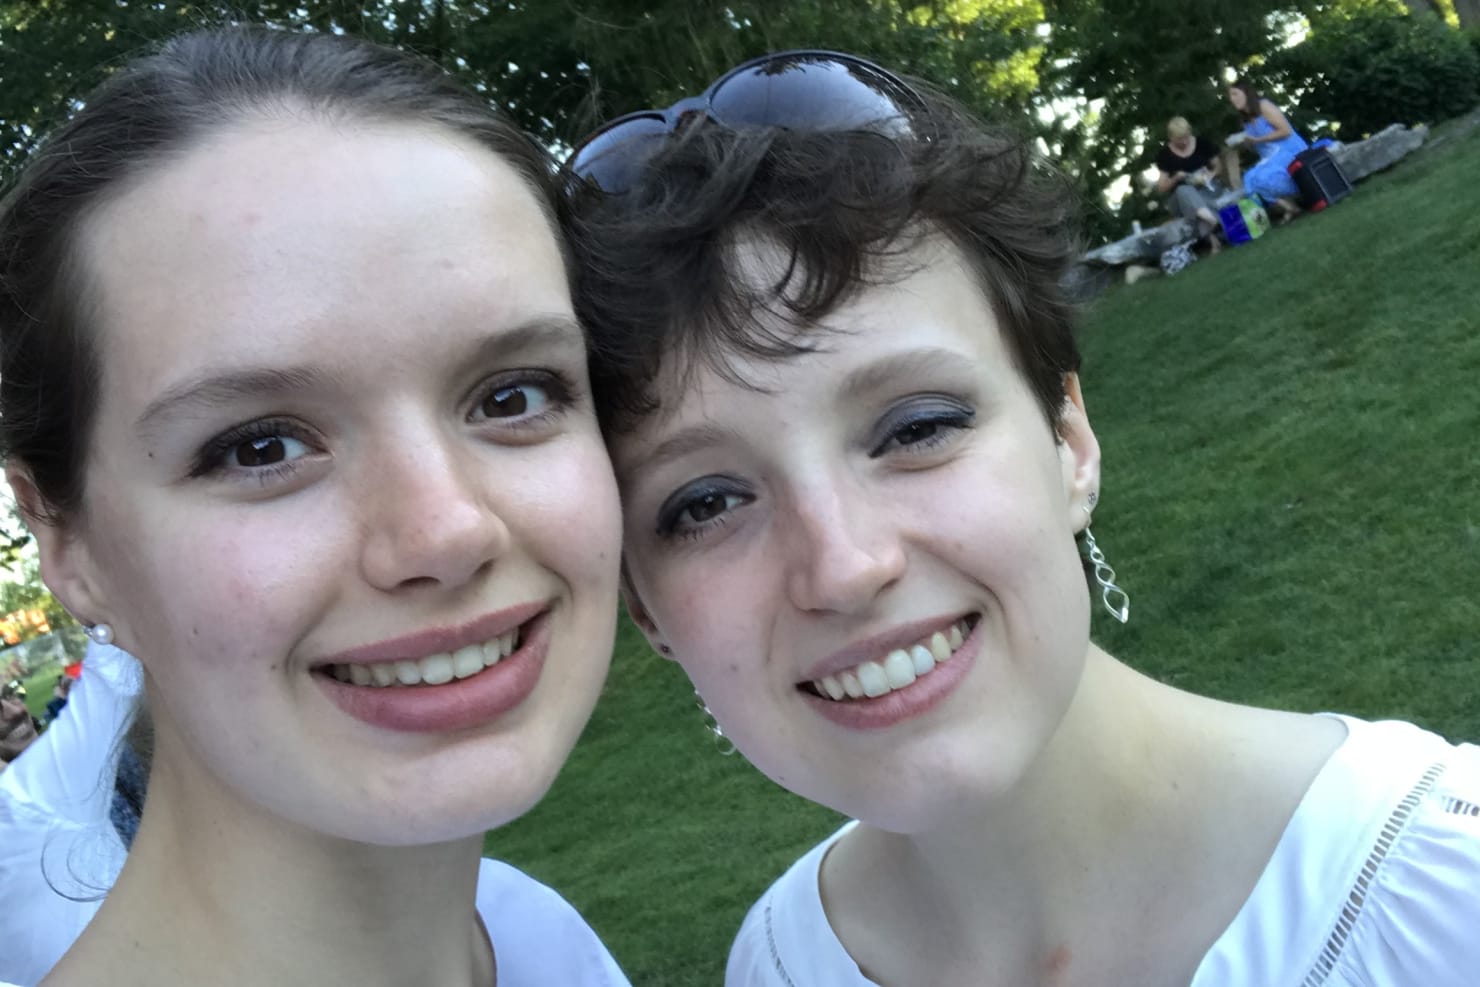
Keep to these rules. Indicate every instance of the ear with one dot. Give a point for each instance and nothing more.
(1079, 455)
(66, 564)
(638, 611)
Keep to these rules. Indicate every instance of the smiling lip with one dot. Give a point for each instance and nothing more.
(875, 647)
(455, 705)
(922, 695)
(429, 642)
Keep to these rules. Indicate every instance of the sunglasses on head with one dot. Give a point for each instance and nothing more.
(794, 90)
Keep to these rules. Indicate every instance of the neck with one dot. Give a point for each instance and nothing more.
(1069, 863)
(217, 891)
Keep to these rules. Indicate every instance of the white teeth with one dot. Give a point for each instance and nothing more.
(437, 669)
(873, 678)
(921, 660)
(896, 670)
(900, 669)
(467, 661)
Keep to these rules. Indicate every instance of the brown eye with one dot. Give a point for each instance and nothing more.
(267, 451)
(707, 507)
(915, 432)
(515, 401)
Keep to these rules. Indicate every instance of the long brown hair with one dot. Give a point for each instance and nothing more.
(1252, 99)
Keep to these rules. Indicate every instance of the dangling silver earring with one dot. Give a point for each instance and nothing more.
(1115, 599)
(723, 743)
(100, 633)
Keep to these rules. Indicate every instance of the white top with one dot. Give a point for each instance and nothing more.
(1374, 883)
(57, 843)
(538, 938)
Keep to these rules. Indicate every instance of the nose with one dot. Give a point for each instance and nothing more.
(430, 517)
(841, 551)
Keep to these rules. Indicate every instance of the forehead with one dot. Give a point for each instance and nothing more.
(280, 234)
(922, 298)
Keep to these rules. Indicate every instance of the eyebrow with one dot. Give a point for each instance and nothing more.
(871, 377)
(859, 383)
(678, 445)
(213, 389)
(553, 332)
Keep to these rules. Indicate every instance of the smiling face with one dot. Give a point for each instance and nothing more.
(831, 532)
(344, 430)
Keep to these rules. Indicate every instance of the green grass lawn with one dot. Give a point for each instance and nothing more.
(1291, 496)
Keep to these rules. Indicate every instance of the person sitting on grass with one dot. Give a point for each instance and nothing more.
(1268, 131)
(1189, 166)
(839, 381)
(294, 401)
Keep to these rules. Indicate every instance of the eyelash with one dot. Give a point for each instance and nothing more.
(211, 459)
(558, 388)
(948, 416)
(671, 513)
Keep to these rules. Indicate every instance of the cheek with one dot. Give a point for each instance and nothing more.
(215, 581)
(568, 511)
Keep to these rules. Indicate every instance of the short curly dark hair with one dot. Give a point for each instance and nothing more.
(658, 285)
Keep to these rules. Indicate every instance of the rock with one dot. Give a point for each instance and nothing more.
(1382, 150)
(1145, 246)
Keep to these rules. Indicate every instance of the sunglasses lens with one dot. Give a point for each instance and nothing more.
(612, 159)
(813, 91)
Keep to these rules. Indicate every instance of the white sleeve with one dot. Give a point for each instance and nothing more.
(753, 963)
(538, 938)
(1420, 920)
(58, 851)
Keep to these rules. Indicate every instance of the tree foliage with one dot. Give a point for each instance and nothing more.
(1096, 80)
(1375, 64)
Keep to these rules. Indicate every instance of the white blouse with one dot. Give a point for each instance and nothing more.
(1374, 883)
(59, 854)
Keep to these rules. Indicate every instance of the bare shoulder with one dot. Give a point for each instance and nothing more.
(1272, 753)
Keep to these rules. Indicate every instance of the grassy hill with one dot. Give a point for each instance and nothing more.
(1291, 496)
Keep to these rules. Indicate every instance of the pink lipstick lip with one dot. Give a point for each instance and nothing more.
(921, 696)
(457, 705)
(876, 647)
(415, 646)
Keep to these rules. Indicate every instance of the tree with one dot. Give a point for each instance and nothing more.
(559, 68)
(1136, 63)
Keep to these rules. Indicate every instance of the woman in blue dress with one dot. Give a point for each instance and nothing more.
(1269, 131)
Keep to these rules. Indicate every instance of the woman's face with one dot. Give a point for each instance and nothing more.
(831, 530)
(345, 432)
(1237, 98)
